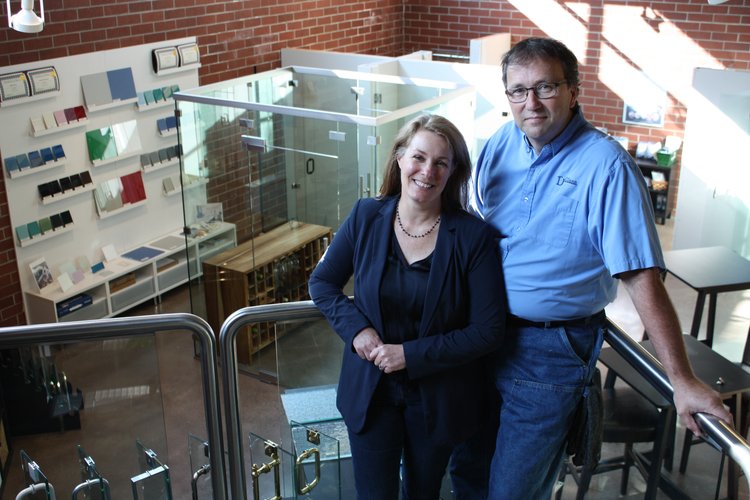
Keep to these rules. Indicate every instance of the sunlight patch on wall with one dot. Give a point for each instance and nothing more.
(558, 22)
(629, 83)
(650, 43)
(582, 10)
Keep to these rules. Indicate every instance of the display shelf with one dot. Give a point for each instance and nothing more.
(25, 100)
(213, 247)
(115, 159)
(46, 236)
(35, 170)
(60, 128)
(178, 189)
(151, 278)
(158, 105)
(111, 105)
(105, 215)
(210, 240)
(174, 275)
(29, 198)
(47, 200)
(143, 289)
(661, 199)
(168, 132)
(179, 69)
(97, 309)
(270, 268)
(161, 165)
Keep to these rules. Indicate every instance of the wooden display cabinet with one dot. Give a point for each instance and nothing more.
(272, 267)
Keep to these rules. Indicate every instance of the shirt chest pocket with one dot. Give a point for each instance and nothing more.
(556, 223)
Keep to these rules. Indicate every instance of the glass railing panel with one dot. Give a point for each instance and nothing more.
(200, 465)
(306, 463)
(92, 486)
(78, 394)
(303, 365)
(101, 396)
(35, 482)
(128, 390)
(153, 481)
(320, 459)
(269, 468)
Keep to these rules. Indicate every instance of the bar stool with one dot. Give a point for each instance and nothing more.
(628, 418)
(742, 422)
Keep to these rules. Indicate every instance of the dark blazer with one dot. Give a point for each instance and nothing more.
(463, 317)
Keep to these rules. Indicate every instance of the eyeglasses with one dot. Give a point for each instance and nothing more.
(542, 90)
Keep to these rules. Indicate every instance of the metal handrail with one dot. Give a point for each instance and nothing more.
(288, 311)
(723, 436)
(16, 336)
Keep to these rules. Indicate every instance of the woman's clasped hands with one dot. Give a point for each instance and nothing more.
(388, 358)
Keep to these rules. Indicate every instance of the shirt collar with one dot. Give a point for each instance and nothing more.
(577, 121)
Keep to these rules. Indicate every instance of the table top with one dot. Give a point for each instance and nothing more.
(709, 269)
(267, 247)
(708, 365)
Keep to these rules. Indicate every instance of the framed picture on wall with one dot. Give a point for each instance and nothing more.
(645, 103)
(14, 85)
(165, 58)
(650, 115)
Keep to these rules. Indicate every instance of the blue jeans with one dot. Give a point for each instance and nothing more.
(540, 375)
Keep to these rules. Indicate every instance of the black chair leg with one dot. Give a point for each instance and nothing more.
(584, 481)
(609, 380)
(561, 480)
(626, 468)
(687, 443)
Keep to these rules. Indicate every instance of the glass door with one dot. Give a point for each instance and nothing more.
(321, 166)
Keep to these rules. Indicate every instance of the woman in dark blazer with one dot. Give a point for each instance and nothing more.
(428, 302)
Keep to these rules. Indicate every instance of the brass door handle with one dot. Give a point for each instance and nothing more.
(307, 488)
(272, 451)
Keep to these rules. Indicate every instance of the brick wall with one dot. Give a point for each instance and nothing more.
(615, 42)
(242, 37)
(236, 38)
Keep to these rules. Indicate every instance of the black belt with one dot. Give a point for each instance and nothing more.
(588, 320)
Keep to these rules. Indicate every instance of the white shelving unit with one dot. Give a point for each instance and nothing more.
(89, 232)
(176, 264)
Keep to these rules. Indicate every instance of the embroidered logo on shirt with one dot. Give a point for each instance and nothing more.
(562, 180)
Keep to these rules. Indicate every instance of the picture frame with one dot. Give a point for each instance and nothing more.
(42, 273)
(43, 80)
(165, 58)
(639, 114)
(209, 212)
(14, 86)
(189, 54)
(644, 103)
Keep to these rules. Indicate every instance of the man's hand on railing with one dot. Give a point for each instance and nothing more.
(693, 396)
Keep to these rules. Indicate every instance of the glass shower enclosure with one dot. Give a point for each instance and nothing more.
(291, 147)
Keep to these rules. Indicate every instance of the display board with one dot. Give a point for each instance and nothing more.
(79, 159)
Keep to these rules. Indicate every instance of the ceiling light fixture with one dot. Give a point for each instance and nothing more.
(25, 20)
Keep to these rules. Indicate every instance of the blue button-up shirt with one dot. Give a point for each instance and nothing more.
(571, 218)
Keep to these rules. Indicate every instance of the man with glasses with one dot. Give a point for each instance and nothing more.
(574, 217)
